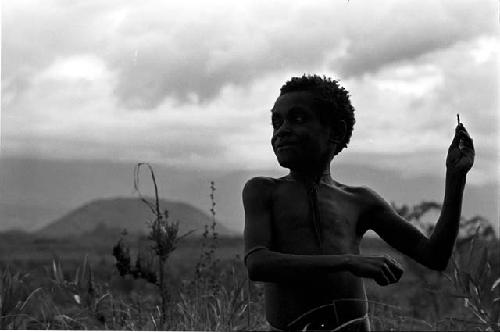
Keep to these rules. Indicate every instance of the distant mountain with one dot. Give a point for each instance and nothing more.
(127, 213)
(58, 186)
(27, 217)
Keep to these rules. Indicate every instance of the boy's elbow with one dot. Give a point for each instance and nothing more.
(253, 273)
(440, 267)
(434, 258)
(256, 267)
(438, 264)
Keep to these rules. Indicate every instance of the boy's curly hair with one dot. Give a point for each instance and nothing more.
(332, 101)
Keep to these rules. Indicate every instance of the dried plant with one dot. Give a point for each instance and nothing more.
(206, 267)
(164, 236)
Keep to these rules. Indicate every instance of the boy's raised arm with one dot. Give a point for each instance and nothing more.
(433, 252)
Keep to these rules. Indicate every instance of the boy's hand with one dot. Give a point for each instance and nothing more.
(460, 153)
(383, 269)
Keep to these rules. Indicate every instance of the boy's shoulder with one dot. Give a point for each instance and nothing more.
(362, 193)
(260, 183)
(258, 189)
(266, 181)
(262, 179)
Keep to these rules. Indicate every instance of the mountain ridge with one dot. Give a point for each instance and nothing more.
(128, 213)
(62, 185)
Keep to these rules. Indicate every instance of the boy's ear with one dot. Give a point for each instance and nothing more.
(339, 132)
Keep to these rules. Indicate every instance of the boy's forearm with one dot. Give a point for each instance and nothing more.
(272, 266)
(445, 233)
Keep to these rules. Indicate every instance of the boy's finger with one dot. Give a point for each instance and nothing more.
(395, 267)
(456, 138)
(468, 151)
(382, 280)
(468, 142)
(396, 270)
(460, 127)
(465, 136)
(389, 274)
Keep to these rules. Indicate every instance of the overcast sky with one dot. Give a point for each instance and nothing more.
(191, 83)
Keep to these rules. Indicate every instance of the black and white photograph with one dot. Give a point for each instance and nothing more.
(296, 165)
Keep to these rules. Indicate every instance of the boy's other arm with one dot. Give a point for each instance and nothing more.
(435, 251)
(264, 264)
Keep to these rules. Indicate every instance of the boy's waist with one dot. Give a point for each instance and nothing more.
(324, 318)
(285, 303)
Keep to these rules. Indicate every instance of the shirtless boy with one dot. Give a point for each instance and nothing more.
(303, 230)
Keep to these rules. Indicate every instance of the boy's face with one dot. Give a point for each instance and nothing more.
(300, 140)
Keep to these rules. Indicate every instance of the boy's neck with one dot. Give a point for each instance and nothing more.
(312, 176)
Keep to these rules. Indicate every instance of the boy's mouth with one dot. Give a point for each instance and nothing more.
(286, 145)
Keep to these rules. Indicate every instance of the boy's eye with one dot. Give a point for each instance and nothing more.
(276, 122)
(299, 118)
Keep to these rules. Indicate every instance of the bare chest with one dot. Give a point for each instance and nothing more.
(314, 220)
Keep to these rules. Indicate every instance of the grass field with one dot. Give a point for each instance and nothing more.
(73, 284)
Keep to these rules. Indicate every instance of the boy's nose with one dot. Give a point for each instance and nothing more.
(284, 129)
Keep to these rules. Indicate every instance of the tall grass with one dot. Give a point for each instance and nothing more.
(76, 299)
(469, 279)
(15, 297)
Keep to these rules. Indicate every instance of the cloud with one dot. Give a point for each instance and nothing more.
(198, 58)
(70, 116)
(400, 32)
(38, 34)
(190, 51)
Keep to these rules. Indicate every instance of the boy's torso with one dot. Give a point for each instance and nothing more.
(335, 208)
